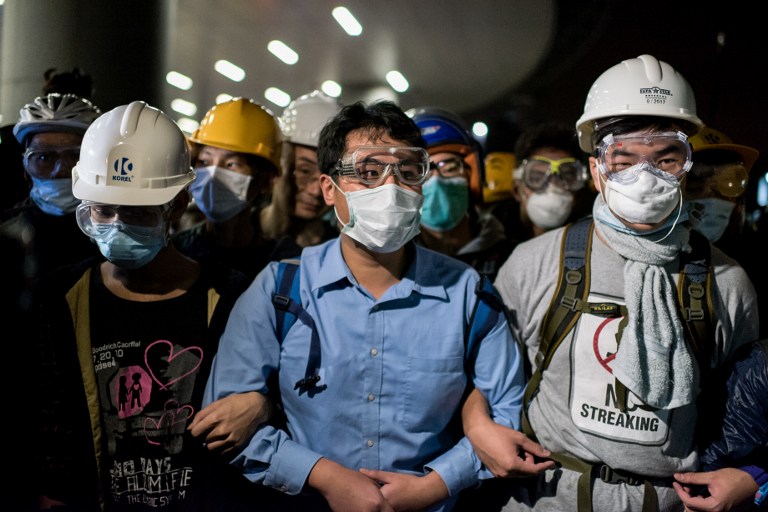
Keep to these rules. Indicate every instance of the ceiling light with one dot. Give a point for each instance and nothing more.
(278, 97)
(283, 52)
(221, 98)
(397, 81)
(176, 79)
(348, 22)
(480, 129)
(229, 70)
(184, 107)
(331, 88)
(188, 125)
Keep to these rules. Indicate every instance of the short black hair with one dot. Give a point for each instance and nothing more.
(552, 134)
(378, 119)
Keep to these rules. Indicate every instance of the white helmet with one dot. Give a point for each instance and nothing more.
(303, 119)
(66, 113)
(643, 86)
(132, 155)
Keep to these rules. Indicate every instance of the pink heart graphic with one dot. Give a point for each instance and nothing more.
(171, 356)
(170, 417)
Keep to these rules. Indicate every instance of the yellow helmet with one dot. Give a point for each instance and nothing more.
(241, 125)
(711, 139)
(499, 168)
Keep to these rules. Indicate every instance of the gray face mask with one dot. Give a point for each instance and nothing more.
(53, 196)
(710, 216)
(550, 208)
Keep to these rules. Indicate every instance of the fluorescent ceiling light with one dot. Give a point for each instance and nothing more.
(176, 79)
(184, 107)
(188, 125)
(348, 22)
(283, 52)
(221, 98)
(480, 129)
(278, 97)
(229, 70)
(397, 81)
(331, 88)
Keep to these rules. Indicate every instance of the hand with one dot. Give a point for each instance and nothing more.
(730, 489)
(347, 490)
(506, 452)
(228, 423)
(409, 492)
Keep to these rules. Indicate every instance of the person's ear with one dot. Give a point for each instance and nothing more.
(328, 189)
(595, 173)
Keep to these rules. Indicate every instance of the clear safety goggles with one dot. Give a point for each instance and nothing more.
(370, 165)
(41, 162)
(538, 171)
(142, 222)
(449, 168)
(729, 180)
(620, 156)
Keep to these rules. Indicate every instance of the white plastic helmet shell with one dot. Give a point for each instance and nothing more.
(132, 155)
(305, 117)
(643, 86)
(64, 113)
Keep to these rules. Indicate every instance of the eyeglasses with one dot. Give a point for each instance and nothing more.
(537, 172)
(448, 168)
(42, 162)
(371, 165)
(619, 156)
(140, 221)
(730, 180)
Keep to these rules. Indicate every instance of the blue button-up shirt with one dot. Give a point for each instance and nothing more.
(393, 371)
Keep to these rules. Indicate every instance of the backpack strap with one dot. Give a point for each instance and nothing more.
(287, 302)
(485, 314)
(694, 293)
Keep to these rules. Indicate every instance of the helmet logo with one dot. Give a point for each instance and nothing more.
(122, 167)
(655, 94)
(430, 130)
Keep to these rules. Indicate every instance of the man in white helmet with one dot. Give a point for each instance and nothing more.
(297, 215)
(126, 342)
(615, 387)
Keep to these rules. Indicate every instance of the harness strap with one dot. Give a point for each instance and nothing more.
(590, 472)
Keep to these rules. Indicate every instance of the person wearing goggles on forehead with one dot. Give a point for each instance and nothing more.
(615, 392)
(145, 321)
(50, 130)
(549, 180)
(387, 320)
(451, 223)
(236, 156)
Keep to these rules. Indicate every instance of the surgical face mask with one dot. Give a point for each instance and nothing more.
(710, 216)
(383, 218)
(550, 208)
(125, 250)
(648, 200)
(53, 196)
(220, 193)
(445, 202)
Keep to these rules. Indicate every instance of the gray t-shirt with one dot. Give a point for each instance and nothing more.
(575, 412)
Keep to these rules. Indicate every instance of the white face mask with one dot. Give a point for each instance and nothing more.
(383, 218)
(54, 196)
(220, 193)
(649, 200)
(550, 208)
(710, 216)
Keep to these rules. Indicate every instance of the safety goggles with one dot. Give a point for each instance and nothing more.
(41, 162)
(370, 165)
(729, 180)
(538, 171)
(449, 168)
(620, 156)
(145, 222)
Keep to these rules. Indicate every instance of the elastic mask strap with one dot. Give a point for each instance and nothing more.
(679, 212)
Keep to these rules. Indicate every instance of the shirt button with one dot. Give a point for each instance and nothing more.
(371, 398)
(370, 443)
(374, 351)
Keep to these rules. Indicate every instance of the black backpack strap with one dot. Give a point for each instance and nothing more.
(287, 302)
(485, 314)
(694, 293)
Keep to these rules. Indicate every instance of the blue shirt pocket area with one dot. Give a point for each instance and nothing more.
(432, 391)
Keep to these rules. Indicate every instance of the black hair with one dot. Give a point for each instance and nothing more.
(379, 119)
(68, 82)
(551, 134)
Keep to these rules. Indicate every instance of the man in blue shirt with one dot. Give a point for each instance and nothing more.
(372, 425)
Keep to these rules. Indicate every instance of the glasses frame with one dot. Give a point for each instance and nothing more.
(347, 165)
(631, 177)
(58, 151)
(554, 169)
(437, 167)
(88, 226)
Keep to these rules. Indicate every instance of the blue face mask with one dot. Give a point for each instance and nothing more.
(53, 196)
(445, 202)
(220, 193)
(129, 247)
